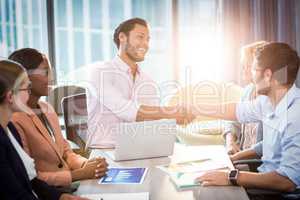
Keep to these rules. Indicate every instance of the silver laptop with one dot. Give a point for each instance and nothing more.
(148, 139)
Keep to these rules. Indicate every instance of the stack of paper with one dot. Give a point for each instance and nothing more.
(185, 180)
(118, 196)
(183, 174)
(193, 166)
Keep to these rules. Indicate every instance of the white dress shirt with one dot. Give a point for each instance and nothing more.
(27, 160)
(114, 97)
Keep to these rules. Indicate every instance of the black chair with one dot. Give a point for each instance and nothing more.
(74, 109)
(253, 164)
(297, 82)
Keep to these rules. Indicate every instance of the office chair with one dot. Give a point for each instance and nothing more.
(61, 91)
(297, 82)
(253, 164)
(74, 109)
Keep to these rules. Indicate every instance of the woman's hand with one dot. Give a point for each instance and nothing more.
(233, 148)
(95, 168)
(101, 167)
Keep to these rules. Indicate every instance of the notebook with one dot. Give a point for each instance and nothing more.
(183, 174)
(125, 175)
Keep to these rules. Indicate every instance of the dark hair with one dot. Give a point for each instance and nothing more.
(278, 56)
(126, 27)
(4, 87)
(29, 58)
(10, 73)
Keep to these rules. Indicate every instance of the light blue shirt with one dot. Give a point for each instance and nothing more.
(237, 128)
(280, 148)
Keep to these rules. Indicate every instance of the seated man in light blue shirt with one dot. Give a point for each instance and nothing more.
(278, 108)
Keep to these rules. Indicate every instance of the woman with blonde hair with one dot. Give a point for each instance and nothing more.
(40, 131)
(242, 136)
(18, 175)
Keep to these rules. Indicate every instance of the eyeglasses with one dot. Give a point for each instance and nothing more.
(42, 72)
(28, 89)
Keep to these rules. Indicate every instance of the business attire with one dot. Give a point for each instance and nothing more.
(114, 97)
(280, 147)
(15, 182)
(248, 134)
(43, 141)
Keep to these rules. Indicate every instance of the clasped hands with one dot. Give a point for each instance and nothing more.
(95, 168)
(183, 115)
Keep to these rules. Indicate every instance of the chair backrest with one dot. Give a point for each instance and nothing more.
(297, 82)
(74, 109)
(58, 93)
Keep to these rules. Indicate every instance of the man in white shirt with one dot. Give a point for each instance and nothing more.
(121, 92)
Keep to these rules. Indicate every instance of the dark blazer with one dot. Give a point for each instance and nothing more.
(14, 181)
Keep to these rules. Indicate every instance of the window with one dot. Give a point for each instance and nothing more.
(22, 24)
(84, 33)
(199, 41)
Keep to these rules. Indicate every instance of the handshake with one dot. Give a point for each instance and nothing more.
(182, 114)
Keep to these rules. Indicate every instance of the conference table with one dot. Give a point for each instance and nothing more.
(157, 182)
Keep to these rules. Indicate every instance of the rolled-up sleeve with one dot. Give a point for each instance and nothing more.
(290, 161)
(110, 97)
(249, 111)
(258, 148)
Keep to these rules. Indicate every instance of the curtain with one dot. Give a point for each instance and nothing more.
(247, 21)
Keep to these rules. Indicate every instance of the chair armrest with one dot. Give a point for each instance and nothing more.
(292, 195)
(272, 194)
(252, 163)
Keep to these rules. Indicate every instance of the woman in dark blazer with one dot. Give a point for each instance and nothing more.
(15, 182)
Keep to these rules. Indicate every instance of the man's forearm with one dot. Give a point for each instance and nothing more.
(225, 111)
(265, 181)
(246, 154)
(152, 113)
(155, 113)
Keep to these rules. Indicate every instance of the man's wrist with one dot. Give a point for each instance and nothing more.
(233, 177)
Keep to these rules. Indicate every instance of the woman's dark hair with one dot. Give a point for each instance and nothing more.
(11, 76)
(4, 87)
(29, 58)
(126, 27)
(279, 56)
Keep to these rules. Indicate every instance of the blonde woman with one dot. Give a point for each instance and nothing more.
(243, 136)
(18, 175)
(40, 131)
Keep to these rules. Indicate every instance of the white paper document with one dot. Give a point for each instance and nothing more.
(118, 196)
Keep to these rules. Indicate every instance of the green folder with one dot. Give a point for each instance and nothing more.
(185, 180)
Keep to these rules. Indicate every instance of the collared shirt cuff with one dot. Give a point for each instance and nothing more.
(291, 174)
(257, 148)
